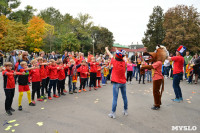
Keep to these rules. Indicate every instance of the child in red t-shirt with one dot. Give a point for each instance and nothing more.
(93, 73)
(84, 70)
(36, 80)
(53, 76)
(61, 78)
(9, 86)
(43, 75)
(98, 75)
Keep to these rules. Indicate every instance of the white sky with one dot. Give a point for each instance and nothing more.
(127, 19)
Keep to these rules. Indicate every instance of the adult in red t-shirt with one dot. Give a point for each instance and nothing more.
(118, 79)
(177, 75)
(89, 57)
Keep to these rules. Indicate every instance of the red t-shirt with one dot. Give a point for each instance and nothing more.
(61, 72)
(89, 58)
(98, 71)
(178, 64)
(118, 71)
(8, 79)
(35, 75)
(83, 71)
(53, 72)
(157, 70)
(43, 72)
(93, 67)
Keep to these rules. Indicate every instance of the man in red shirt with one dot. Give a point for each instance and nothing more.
(119, 80)
(89, 57)
(178, 72)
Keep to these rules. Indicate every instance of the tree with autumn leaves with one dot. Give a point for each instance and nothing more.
(15, 35)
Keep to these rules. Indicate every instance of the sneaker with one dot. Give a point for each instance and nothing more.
(99, 86)
(55, 96)
(59, 94)
(63, 94)
(40, 100)
(90, 89)
(181, 99)
(79, 91)
(12, 110)
(112, 115)
(31, 104)
(45, 97)
(50, 98)
(155, 108)
(84, 90)
(103, 84)
(20, 108)
(8, 112)
(176, 100)
(125, 112)
(74, 91)
(171, 78)
(42, 97)
(65, 90)
(71, 92)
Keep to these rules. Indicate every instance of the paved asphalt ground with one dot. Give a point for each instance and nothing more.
(87, 112)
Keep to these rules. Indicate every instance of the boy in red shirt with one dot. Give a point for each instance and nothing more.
(93, 73)
(23, 81)
(118, 80)
(53, 75)
(84, 70)
(98, 75)
(43, 75)
(36, 80)
(9, 86)
(61, 78)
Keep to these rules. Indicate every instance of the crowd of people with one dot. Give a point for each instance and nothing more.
(45, 72)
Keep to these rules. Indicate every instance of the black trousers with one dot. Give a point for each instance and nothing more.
(129, 75)
(47, 83)
(83, 83)
(43, 86)
(9, 93)
(93, 79)
(60, 86)
(35, 88)
(141, 76)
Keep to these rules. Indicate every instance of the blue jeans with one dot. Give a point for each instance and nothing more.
(166, 70)
(134, 69)
(116, 87)
(70, 84)
(149, 77)
(176, 85)
(53, 84)
(137, 72)
(104, 79)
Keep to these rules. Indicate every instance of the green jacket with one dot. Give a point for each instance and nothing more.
(187, 59)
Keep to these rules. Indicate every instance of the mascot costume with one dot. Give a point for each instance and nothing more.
(157, 58)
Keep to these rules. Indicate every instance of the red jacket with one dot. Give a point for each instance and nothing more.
(35, 75)
(47, 70)
(98, 71)
(8, 79)
(93, 67)
(77, 63)
(61, 72)
(83, 71)
(43, 72)
(53, 72)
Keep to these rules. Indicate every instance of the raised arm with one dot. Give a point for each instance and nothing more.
(108, 52)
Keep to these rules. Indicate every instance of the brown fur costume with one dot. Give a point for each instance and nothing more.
(159, 55)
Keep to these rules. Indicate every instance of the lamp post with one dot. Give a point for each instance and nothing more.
(93, 41)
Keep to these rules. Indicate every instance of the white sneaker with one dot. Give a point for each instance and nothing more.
(112, 115)
(125, 112)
